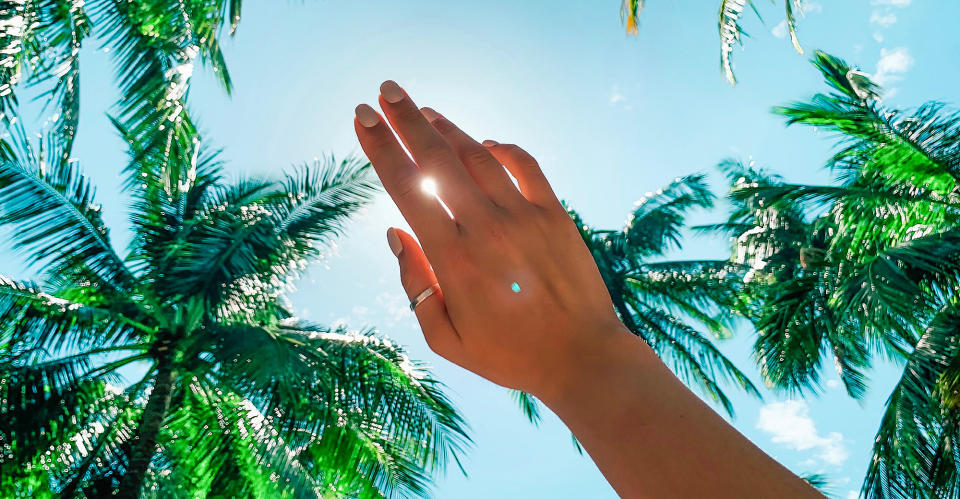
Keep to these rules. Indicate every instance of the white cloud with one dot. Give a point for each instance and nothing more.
(853, 494)
(359, 311)
(812, 8)
(891, 3)
(883, 20)
(616, 96)
(789, 423)
(780, 30)
(893, 64)
(396, 306)
(833, 383)
(878, 36)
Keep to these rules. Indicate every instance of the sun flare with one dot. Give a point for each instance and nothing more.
(429, 186)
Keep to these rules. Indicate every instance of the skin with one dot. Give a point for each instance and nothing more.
(559, 338)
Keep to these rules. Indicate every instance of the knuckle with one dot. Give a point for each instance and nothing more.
(526, 161)
(436, 151)
(521, 157)
(406, 186)
(475, 155)
(407, 112)
(444, 126)
(376, 140)
(508, 149)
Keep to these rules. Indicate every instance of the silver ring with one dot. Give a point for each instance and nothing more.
(427, 293)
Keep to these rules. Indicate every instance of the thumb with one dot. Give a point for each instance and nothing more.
(416, 275)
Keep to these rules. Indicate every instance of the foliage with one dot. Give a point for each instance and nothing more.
(728, 26)
(232, 396)
(870, 266)
(155, 45)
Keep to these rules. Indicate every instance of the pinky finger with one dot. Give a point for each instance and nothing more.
(416, 276)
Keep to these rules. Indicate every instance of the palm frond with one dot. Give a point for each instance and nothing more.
(56, 220)
(654, 225)
(704, 290)
(50, 323)
(651, 297)
(791, 21)
(56, 413)
(61, 27)
(914, 449)
(730, 33)
(691, 355)
(354, 404)
(818, 481)
(220, 443)
(529, 405)
(921, 149)
(260, 235)
(41, 43)
(316, 199)
(630, 15)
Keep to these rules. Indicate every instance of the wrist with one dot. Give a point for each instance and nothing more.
(586, 361)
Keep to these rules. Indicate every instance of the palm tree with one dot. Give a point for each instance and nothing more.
(728, 26)
(870, 266)
(155, 44)
(178, 369)
(678, 307)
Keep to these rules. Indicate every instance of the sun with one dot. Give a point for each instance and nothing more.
(429, 186)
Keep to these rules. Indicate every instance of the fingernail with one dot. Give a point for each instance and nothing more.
(394, 241)
(391, 91)
(367, 116)
(490, 143)
(430, 114)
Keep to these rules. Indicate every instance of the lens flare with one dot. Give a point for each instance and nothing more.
(429, 186)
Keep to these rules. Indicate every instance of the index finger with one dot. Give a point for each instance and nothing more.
(433, 154)
(400, 177)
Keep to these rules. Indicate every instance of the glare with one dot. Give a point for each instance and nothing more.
(429, 186)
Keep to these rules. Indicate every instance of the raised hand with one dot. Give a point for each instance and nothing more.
(519, 294)
(505, 287)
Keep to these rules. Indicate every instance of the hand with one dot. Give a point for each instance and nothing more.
(555, 334)
(520, 296)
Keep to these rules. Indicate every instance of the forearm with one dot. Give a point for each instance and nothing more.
(651, 436)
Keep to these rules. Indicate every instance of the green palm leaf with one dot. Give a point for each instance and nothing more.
(41, 40)
(658, 299)
(57, 222)
(346, 401)
(869, 266)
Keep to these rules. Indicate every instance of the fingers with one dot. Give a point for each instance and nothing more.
(533, 184)
(432, 153)
(486, 171)
(416, 276)
(400, 177)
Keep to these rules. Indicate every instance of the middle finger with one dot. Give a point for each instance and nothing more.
(433, 155)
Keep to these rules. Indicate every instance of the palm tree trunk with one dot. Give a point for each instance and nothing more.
(145, 442)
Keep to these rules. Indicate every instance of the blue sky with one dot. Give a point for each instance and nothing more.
(609, 116)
